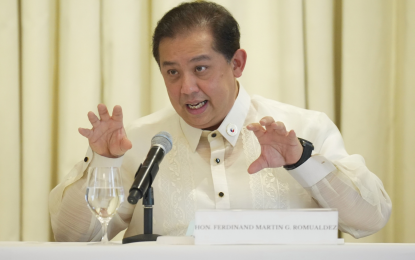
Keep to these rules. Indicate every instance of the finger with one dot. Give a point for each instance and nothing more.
(125, 143)
(93, 119)
(257, 165)
(266, 121)
(279, 127)
(103, 112)
(293, 137)
(117, 113)
(255, 127)
(122, 144)
(292, 134)
(85, 132)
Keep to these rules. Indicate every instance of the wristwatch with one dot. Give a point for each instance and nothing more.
(308, 147)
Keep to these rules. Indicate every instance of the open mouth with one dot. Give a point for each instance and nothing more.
(197, 105)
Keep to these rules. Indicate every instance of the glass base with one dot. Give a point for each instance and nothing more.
(110, 243)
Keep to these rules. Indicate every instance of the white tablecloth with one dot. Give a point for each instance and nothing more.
(152, 251)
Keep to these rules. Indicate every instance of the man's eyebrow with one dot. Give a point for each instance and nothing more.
(200, 57)
(197, 58)
(168, 63)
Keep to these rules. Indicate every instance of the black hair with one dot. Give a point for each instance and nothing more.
(188, 16)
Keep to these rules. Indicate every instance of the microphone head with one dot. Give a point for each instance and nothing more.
(164, 139)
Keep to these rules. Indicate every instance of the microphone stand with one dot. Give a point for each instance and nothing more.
(148, 202)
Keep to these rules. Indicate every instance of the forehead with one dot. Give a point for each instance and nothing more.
(185, 46)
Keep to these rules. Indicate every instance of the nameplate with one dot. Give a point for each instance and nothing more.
(295, 226)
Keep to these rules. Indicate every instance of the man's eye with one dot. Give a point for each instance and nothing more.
(201, 68)
(172, 72)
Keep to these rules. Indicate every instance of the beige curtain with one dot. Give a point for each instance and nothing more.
(352, 59)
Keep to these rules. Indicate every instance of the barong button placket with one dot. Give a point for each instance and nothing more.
(217, 166)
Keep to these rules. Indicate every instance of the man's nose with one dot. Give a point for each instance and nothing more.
(189, 84)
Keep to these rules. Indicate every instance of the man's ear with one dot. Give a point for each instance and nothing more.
(238, 62)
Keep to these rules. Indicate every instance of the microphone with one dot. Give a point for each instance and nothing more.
(161, 144)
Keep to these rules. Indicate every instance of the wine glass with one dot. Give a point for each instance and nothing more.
(104, 194)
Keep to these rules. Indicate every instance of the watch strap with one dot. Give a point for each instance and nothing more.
(308, 148)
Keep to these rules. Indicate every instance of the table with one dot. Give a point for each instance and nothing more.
(153, 251)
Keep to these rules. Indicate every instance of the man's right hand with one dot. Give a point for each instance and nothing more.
(107, 136)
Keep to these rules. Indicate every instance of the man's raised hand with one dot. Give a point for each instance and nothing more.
(107, 136)
(279, 147)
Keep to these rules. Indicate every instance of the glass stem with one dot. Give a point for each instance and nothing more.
(104, 238)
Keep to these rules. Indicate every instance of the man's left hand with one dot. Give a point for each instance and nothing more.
(279, 147)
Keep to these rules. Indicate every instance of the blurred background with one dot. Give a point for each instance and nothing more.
(352, 59)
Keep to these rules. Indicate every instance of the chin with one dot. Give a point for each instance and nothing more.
(196, 124)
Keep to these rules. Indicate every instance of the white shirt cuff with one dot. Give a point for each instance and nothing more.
(312, 171)
(102, 161)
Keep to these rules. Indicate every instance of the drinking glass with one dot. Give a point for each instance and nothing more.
(104, 194)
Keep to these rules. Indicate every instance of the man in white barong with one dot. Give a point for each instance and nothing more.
(230, 150)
